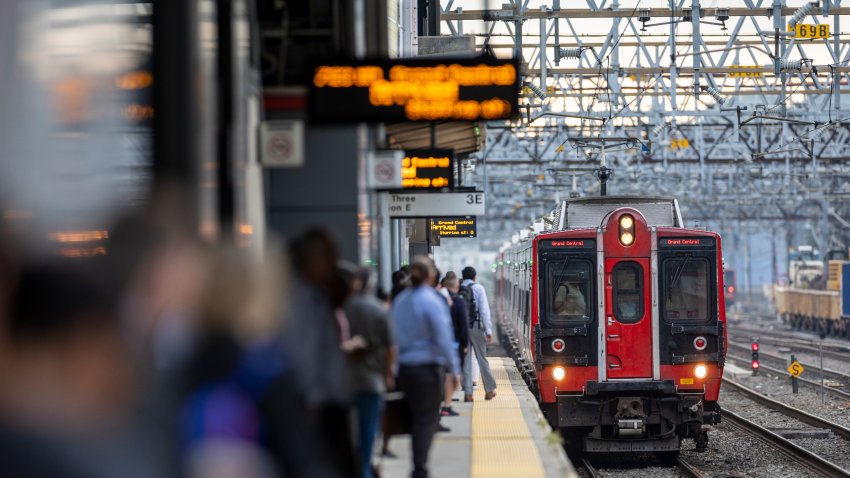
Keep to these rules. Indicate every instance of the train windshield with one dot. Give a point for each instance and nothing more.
(686, 285)
(569, 284)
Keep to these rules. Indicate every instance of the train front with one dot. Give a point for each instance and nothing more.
(629, 333)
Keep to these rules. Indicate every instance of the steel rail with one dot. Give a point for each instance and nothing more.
(593, 472)
(815, 462)
(838, 393)
(689, 469)
(792, 412)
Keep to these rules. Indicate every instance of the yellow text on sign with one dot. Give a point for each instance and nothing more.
(746, 71)
(810, 32)
(795, 369)
(679, 143)
(425, 92)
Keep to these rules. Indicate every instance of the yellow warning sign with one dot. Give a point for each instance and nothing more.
(795, 369)
(686, 381)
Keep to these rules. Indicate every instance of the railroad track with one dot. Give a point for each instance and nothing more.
(782, 373)
(788, 448)
(681, 464)
(828, 373)
(788, 410)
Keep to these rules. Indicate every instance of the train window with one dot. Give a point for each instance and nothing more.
(569, 288)
(628, 292)
(686, 281)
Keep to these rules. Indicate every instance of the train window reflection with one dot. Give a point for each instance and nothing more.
(628, 292)
(686, 289)
(569, 284)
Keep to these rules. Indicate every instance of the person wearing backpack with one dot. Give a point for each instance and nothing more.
(480, 334)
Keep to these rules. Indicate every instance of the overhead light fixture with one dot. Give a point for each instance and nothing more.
(643, 17)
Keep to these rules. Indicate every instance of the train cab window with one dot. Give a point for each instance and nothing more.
(569, 291)
(628, 292)
(686, 290)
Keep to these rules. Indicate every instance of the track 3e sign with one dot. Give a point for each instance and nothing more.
(434, 204)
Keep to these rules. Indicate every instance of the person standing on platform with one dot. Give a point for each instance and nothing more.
(425, 350)
(480, 334)
(460, 323)
(373, 366)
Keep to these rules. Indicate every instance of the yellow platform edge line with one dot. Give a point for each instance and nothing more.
(502, 444)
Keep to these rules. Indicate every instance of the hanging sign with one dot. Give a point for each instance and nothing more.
(428, 169)
(434, 204)
(454, 226)
(414, 89)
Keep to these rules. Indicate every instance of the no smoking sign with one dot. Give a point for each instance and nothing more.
(282, 143)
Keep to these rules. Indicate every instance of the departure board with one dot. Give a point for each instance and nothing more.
(428, 169)
(416, 89)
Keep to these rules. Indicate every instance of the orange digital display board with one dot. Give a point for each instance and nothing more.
(414, 90)
(427, 169)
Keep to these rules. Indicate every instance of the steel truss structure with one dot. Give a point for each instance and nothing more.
(719, 105)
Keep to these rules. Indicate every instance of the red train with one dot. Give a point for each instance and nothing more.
(615, 316)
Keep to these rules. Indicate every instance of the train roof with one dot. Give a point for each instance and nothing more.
(588, 212)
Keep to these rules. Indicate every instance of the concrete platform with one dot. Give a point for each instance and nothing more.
(503, 437)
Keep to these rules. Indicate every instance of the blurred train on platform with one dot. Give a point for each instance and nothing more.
(615, 315)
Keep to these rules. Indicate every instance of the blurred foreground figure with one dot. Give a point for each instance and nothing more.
(372, 366)
(241, 415)
(67, 379)
(314, 338)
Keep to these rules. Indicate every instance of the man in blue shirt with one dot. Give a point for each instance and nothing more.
(425, 351)
(480, 334)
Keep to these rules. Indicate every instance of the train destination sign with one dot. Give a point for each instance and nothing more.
(454, 226)
(687, 242)
(434, 204)
(428, 169)
(418, 89)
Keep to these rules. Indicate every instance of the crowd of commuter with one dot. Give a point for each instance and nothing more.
(169, 357)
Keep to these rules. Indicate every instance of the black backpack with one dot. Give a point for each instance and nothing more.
(474, 318)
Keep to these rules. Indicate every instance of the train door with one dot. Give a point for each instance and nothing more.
(628, 319)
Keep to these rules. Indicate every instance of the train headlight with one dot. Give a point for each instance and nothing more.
(558, 373)
(627, 230)
(700, 371)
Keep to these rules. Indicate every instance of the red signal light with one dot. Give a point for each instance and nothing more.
(755, 347)
(731, 289)
(755, 364)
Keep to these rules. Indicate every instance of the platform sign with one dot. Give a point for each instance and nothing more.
(809, 32)
(428, 169)
(434, 204)
(414, 89)
(454, 226)
(795, 369)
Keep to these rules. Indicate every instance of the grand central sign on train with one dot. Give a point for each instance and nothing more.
(427, 169)
(414, 90)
